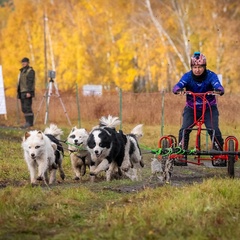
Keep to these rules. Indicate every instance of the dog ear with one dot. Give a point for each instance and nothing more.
(73, 129)
(27, 134)
(40, 134)
(54, 146)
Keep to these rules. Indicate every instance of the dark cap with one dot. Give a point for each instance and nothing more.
(25, 60)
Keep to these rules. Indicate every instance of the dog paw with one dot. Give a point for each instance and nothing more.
(125, 168)
(62, 175)
(92, 178)
(39, 178)
(54, 166)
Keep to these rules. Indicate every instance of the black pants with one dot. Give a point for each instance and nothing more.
(26, 105)
(211, 122)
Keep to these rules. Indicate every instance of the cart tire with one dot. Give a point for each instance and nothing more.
(165, 144)
(231, 159)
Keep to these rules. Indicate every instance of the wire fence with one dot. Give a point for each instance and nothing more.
(159, 108)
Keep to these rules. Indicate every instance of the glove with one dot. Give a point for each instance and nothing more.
(180, 91)
(219, 92)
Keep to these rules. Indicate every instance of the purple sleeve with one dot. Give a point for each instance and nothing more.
(181, 84)
(216, 83)
(175, 89)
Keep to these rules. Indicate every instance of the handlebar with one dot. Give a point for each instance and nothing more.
(183, 92)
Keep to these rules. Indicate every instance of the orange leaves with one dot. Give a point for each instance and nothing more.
(113, 42)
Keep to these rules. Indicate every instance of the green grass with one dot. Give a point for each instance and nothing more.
(206, 211)
(71, 210)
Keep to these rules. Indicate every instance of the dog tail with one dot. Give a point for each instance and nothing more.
(137, 131)
(110, 121)
(54, 130)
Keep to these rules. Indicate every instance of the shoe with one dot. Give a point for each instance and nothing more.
(219, 163)
(29, 122)
(180, 161)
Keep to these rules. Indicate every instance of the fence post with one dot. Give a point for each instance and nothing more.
(162, 122)
(78, 107)
(120, 107)
(18, 114)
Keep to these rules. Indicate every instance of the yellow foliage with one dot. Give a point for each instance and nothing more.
(113, 42)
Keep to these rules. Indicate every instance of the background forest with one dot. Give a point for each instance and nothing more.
(137, 45)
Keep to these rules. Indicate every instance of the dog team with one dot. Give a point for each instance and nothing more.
(103, 149)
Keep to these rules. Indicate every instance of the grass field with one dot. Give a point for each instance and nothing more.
(200, 203)
(119, 209)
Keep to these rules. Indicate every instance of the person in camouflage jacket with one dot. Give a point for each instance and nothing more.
(26, 91)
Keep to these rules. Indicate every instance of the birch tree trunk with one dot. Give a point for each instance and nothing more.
(162, 31)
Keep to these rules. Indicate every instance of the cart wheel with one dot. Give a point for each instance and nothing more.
(231, 159)
(165, 144)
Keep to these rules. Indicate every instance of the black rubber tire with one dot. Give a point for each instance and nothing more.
(231, 159)
(165, 144)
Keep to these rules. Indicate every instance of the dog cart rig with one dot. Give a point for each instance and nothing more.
(167, 145)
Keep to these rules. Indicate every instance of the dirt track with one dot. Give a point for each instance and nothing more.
(181, 176)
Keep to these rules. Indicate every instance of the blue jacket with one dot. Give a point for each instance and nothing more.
(210, 83)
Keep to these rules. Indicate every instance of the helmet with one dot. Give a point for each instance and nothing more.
(198, 59)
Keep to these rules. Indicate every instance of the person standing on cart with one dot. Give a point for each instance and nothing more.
(200, 80)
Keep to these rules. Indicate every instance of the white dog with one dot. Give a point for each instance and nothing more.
(39, 156)
(79, 155)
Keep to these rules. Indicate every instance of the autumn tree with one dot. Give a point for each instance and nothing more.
(131, 44)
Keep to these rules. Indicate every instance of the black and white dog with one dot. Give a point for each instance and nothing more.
(112, 150)
(54, 134)
(135, 156)
(106, 146)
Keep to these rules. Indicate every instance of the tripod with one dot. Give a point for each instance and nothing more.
(47, 95)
